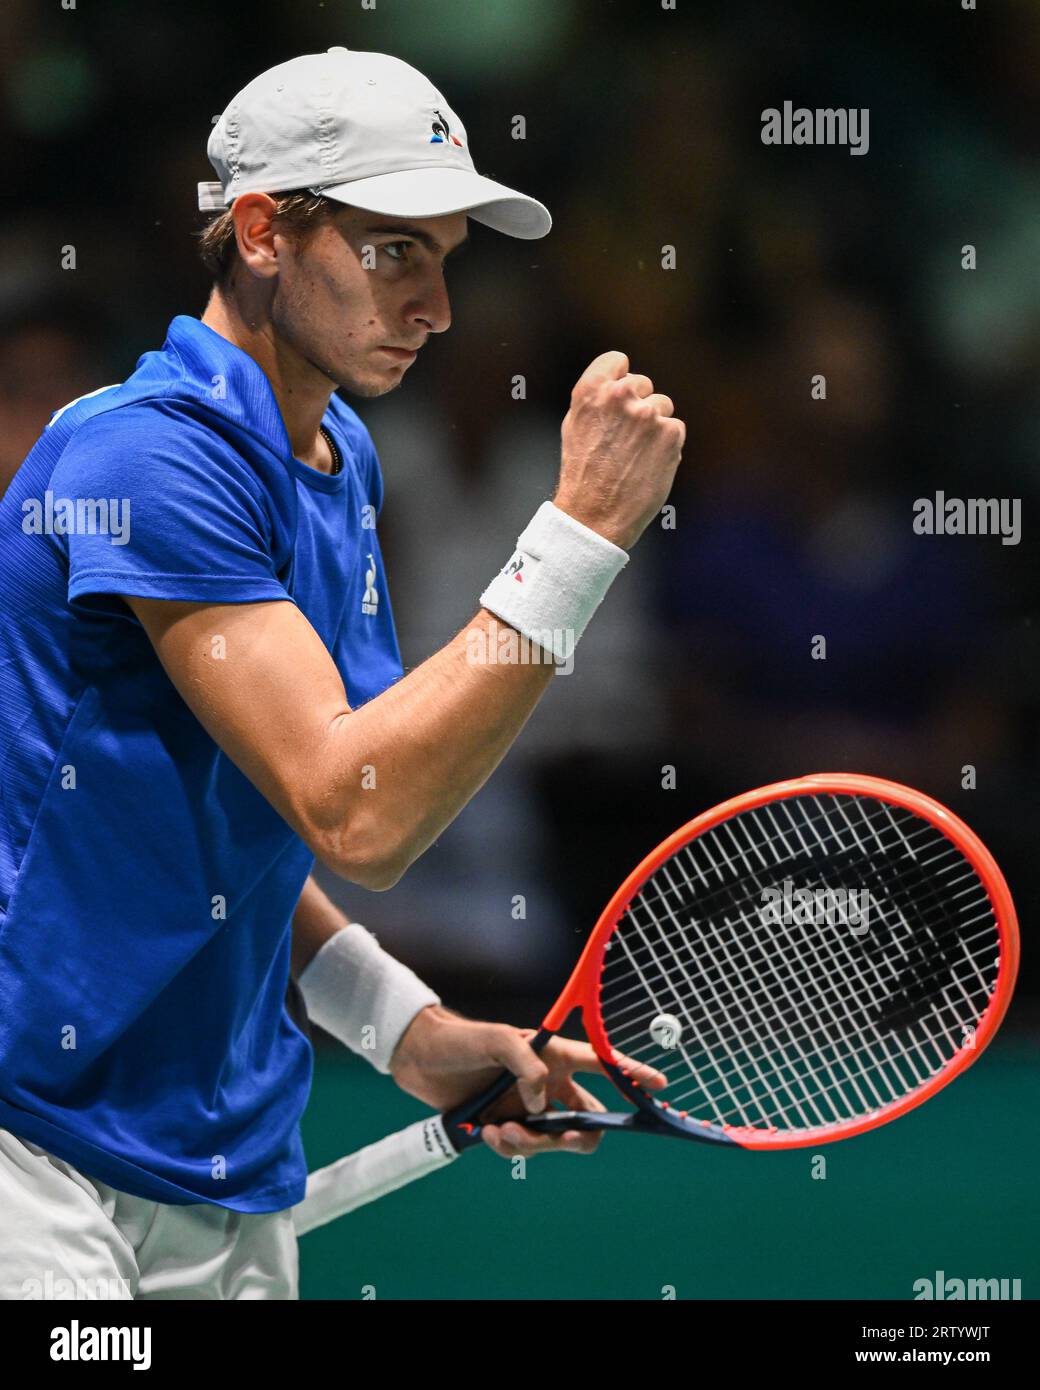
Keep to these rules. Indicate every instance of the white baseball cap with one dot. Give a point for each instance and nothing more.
(361, 128)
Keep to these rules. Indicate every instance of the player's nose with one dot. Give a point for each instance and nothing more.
(435, 308)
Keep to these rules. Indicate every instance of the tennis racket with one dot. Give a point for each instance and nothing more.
(804, 963)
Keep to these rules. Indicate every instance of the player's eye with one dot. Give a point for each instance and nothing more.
(392, 246)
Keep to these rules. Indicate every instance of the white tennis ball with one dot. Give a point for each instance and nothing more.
(666, 1030)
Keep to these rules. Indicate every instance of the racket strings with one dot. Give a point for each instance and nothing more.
(926, 901)
(624, 1016)
(786, 1071)
(681, 892)
(781, 1023)
(826, 982)
(918, 890)
(859, 1092)
(824, 986)
(782, 1070)
(757, 955)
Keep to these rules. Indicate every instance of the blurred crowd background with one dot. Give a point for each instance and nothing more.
(793, 517)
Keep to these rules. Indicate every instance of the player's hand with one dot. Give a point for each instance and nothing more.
(621, 446)
(561, 1058)
(443, 1059)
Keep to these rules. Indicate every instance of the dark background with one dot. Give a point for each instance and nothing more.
(793, 517)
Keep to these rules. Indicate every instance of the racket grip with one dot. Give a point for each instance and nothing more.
(461, 1124)
(597, 1121)
(560, 1121)
(372, 1172)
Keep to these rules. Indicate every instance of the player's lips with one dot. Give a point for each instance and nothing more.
(401, 354)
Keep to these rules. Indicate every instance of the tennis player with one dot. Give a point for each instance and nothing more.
(201, 694)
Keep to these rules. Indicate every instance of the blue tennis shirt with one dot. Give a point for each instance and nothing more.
(146, 887)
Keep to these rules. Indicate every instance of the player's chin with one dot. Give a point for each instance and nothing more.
(372, 384)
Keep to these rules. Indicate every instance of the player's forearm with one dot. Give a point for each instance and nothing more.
(316, 919)
(404, 765)
(369, 789)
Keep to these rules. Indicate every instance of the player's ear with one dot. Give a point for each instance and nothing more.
(255, 233)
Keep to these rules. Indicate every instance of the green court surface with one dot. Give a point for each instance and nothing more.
(951, 1186)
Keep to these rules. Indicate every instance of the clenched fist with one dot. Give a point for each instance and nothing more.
(621, 447)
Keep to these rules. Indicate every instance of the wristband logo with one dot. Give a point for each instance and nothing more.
(514, 567)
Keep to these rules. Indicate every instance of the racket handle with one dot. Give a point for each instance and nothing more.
(460, 1124)
(398, 1159)
(372, 1172)
(559, 1121)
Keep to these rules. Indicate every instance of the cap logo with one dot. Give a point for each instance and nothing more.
(441, 135)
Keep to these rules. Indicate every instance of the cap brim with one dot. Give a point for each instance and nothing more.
(436, 192)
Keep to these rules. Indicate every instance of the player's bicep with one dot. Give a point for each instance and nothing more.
(263, 685)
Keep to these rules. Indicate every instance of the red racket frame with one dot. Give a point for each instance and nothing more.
(580, 992)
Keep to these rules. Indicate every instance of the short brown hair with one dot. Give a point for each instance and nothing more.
(297, 212)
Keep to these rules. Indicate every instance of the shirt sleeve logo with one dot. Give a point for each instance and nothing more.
(370, 598)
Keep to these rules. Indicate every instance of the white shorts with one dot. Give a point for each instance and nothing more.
(64, 1235)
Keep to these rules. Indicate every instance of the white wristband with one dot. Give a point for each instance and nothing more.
(556, 579)
(362, 995)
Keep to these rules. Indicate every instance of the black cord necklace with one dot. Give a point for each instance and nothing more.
(337, 458)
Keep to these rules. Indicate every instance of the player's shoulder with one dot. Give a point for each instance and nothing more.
(160, 441)
(112, 413)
